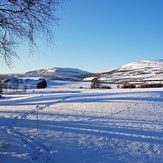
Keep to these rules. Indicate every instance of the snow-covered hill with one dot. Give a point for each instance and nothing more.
(137, 72)
(149, 65)
(56, 72)
(32, 78)
(53, 73)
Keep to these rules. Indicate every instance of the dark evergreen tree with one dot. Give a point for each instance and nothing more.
(42, 84)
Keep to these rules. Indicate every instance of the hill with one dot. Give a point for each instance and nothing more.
(30, 79)
(136, 72)
(53, 73)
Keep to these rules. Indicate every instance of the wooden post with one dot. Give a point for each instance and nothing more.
(37, 107)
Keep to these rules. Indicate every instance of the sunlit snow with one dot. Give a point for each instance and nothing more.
(82, 125)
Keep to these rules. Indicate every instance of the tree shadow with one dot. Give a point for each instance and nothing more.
(53, 98)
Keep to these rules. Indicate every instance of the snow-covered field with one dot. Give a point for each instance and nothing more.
(82, 126)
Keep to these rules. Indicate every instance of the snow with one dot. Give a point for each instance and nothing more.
(82, 125)
(148, 71)
(55, 71)
(143, 64)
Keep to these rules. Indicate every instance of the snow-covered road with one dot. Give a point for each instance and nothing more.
(82, 126)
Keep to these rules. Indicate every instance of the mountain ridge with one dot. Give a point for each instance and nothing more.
(135, 72)
(55, 71)
(51, 73)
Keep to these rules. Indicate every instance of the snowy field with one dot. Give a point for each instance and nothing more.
(82, 126)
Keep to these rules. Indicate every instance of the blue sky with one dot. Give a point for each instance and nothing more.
(100, 35)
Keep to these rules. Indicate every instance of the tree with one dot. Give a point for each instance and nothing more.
(95, 83)
(1, 89)
(25, 20)
(25, 87)
(42, 84)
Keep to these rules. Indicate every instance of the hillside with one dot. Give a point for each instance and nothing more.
(136, 72)
(147, 71)
(53, 73)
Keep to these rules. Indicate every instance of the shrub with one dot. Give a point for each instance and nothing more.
(105, 87)
(127, 85)
(152, 85)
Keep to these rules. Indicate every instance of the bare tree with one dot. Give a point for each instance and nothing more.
(95, 83)
(1, 89)
(25, 20)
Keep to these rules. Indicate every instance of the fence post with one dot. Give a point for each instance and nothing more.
(37, 108)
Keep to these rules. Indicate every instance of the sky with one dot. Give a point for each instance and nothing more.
(98, 36)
